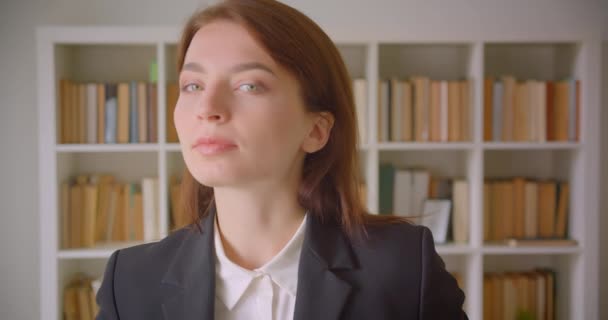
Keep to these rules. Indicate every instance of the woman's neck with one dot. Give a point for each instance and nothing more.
(255, 225)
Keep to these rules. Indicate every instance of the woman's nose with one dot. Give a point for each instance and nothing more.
(214, 104)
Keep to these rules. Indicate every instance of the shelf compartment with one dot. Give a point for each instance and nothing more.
(85, 148)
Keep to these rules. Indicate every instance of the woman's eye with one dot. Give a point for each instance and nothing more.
(191, 87)
(249, 87)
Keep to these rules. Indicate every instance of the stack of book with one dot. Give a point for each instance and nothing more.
(124, 112)
(421, 110)
(519, 295)
(407, 191)
(98, 209)
(531, 110)
(79, 298)
(521, 208)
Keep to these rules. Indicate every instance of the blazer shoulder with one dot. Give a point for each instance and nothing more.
(153, 253)
(396, 235)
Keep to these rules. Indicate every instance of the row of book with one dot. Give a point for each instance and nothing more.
(406, 191)
(519, 295)
(79, 298)
(523, 208)
(531, 110)
(125, 112)
(421, 109)
(99, 209)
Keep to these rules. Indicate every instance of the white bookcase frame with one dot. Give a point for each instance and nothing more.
(577, 267)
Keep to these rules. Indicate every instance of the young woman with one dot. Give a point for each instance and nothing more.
(266, 124)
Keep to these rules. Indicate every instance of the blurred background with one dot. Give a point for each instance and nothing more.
(19, 173)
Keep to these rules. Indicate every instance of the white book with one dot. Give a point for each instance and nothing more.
(443, 110)
(91, 113)
(150, 206)
(402, 193)
(360, 95)
(420, 181)
(436, 216)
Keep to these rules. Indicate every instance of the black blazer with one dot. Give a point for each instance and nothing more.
(394, 274)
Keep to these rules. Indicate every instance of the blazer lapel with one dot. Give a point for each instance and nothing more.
(188, 286)
(321, 294)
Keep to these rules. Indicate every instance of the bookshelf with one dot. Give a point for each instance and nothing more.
(112, 54)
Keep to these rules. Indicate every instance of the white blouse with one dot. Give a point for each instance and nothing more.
(265, 293)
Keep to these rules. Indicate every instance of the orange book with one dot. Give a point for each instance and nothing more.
(519, 202)
(488, 96)
(454, 111)
(63, 110)
(75, 215)
(561, 111)
(508, 216)
(138, 219)
(172, 96)
(421, 108)
(82, 113)
(488, 296)
(434, 119)
(562, 210)
(497, 215)
(546, 209)
(465, 110)
(550, 122)
(89, 215)
(123, 113)
(520, 113)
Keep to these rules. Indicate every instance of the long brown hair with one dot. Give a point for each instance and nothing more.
(330, 180)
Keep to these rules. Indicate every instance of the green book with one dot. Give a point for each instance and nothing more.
(386, 186)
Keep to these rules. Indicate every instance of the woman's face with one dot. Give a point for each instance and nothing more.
(240, 118)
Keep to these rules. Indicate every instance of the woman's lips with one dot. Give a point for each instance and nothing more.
(213, 146)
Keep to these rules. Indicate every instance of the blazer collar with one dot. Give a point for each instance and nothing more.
(188, 286)
(321, 293)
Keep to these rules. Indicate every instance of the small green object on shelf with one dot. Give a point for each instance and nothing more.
(153, 72)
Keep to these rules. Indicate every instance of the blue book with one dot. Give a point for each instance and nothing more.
(497, 111)
(110, 130)
(133, 118)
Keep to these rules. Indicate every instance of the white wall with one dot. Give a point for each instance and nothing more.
(18, 120)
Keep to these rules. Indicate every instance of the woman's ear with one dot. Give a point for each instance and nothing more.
(317, 137)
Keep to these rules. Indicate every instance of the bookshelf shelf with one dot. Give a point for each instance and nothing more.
(413, 146)
(99, 252)
(505, 250)
(172, 147)
(531, 145)
(74, 53)
(454, 249)
(68, 148)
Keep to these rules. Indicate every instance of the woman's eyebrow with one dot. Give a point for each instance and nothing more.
(196, 67)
